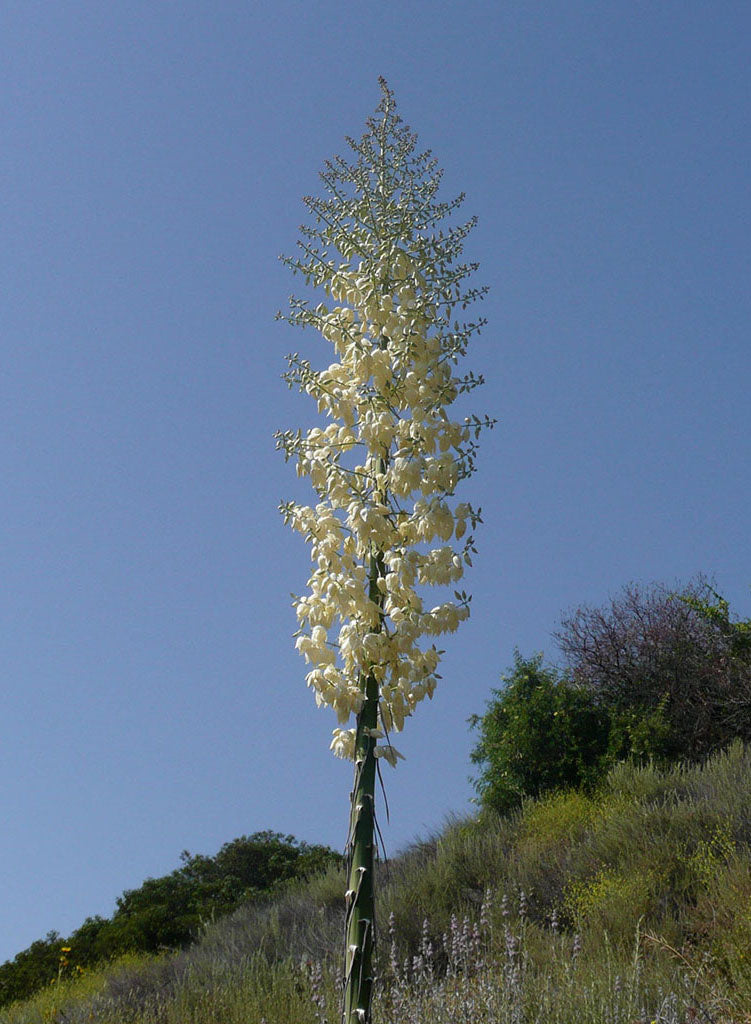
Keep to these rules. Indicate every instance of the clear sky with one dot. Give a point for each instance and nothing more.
(152, 165)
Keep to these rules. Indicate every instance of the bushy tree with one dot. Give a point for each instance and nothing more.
(33, 967)
(168, 912)
(384, 468)
(255, 863)
(672, 658)
(736, 700)
(654, 676)
(539, 733)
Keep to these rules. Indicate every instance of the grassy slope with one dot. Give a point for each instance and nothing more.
(636, 906)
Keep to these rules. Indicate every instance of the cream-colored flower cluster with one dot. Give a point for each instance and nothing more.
(385, 470)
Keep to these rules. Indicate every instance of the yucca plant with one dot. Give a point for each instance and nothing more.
(385, 468)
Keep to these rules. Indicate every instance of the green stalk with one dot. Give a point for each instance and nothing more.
(360, 898)
(360, 901)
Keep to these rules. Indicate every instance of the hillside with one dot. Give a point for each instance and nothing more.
(167, 912)
(630, 904)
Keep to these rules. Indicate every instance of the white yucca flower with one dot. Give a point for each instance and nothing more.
(385, 463)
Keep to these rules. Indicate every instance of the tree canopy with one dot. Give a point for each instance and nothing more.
(168, 912)
(656, 674)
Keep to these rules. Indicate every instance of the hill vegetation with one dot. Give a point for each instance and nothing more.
(606, 878)
(168, 912)
(654, 676)
(632, 903)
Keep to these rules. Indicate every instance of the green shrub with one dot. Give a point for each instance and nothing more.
(612, 902)
(539, 733)
(171, 911)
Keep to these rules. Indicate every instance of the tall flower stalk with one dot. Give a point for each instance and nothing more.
(385, 467)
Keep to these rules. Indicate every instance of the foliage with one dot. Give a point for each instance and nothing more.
(611, 900)
(539, 733)
(467, 976)
(671, 669)
(642, 733)
(717, 611)
(736, 698)
(655, 676)
(33, 967)
(169, 912)
(672, 846)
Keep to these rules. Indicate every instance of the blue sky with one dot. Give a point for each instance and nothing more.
(153, 162)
